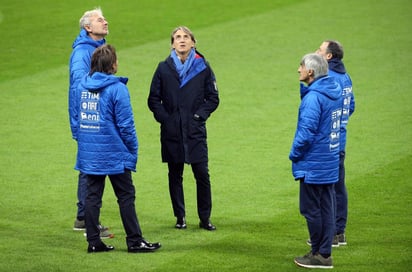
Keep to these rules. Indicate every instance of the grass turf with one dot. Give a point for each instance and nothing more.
(255, 51)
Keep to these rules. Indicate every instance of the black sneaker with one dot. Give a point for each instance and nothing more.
(143, 247)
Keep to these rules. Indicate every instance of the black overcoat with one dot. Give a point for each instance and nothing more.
(182, 112)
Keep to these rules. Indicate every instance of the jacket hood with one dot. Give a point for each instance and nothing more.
(83, 38)
(325, 85)
(337, 65)
(98, 81)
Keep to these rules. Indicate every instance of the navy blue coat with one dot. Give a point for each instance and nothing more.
(183, 136)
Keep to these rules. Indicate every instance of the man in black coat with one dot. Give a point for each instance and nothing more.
(183, 94)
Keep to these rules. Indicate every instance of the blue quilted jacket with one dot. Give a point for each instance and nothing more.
(338, 72)
(79, 65)
(106, 135)
(315, 149)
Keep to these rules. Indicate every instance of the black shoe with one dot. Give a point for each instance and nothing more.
(181, 223)
(100, 248)
(144, 246)
(207, 225)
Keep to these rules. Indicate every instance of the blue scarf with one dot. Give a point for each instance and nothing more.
(193, 65)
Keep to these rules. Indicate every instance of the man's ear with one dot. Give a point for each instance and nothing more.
(329, 56)
(88, 28)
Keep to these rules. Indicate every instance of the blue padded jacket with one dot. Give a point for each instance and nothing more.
(315, 149)
(106, 135)
(348, 103)
(79, 65)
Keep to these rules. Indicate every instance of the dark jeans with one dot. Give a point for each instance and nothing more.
(341, 197)
(204, 195)
(316, 205)
(81, 195)
(125, 192)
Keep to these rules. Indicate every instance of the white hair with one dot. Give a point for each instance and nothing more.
(85, 20)
(316, 63)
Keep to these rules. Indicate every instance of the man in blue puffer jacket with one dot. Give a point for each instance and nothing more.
(315, 156)
(93, 30)
(332, 51)
(107, 146)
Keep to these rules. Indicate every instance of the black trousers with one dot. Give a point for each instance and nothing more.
(125, 192)
(203, 190)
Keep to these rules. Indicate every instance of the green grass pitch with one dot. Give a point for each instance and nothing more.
(254, 48)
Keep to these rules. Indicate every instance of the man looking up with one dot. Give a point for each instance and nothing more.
(93, 30)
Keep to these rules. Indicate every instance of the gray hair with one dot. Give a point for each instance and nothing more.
(85, 20)
(316, 63)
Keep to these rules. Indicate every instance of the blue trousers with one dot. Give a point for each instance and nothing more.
(203, 190)
(341, 197)
(125, 192)
(316, 204)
